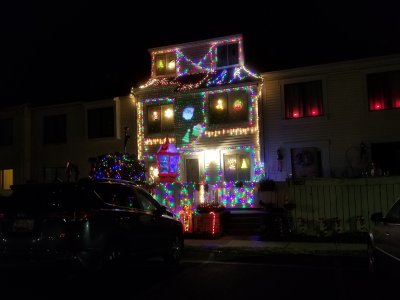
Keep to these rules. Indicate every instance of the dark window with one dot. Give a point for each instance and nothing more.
(55, 129)
(384, 90)
(228, 55)
(118, 195)
(160, 118)
(303, 100)
(386, 157)
(393, 215)
(54, 174)
(101, 122)
(237, 167)
(165, 64)
(228, 108)
(6, 132)
(192, 170)
(147, 202)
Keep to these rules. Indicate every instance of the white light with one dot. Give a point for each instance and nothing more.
(211, 156)
(169, 113)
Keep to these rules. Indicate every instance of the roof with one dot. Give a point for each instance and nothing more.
(196, 43)
(222, 77)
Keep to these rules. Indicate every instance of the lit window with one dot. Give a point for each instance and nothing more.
(384, 90)
(160, 118)
(228, 108)
(303, 99)
(236, 167)
(6, 179)
(165, 64)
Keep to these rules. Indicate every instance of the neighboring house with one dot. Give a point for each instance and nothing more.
(202, 99)
(333, 120)
(36, 142)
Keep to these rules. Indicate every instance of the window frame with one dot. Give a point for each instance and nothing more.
(228, 65)
(54, 126)
(162, 130)
(230, 99)
(101, 134)
(2, 179)
(7, 139)
(387, 102)
(240, 154)
(165, 59)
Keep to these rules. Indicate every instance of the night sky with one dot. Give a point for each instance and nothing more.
(87, 51)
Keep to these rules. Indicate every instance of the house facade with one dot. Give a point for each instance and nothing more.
(337, 120)
(203, 100)
(37, 142)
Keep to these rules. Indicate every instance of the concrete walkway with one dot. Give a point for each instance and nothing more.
(255, 244)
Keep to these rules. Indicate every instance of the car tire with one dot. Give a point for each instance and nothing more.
(175, 250)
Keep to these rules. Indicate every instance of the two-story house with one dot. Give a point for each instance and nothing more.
(203, 99)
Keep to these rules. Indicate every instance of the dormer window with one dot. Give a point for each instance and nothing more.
(165, 64)
(227, 55)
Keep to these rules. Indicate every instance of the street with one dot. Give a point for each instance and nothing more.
(207, 276)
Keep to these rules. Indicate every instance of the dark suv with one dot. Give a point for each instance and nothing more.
(95, 223)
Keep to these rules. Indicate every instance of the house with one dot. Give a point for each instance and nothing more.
(332, 120)
(332, 141)
(37, 142)
(203, 99)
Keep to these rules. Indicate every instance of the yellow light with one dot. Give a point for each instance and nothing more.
(220, 105)
(244, 164)
(160, 64)
(169, 113)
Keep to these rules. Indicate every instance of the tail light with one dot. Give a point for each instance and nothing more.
(82, 216)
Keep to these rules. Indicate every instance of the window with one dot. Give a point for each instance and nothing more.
(147, 202)
(118, 195)
(393, 215)
(386, 157)
(53, 174)
(160, 118)
(6, 179)
(228, 108)
(165, 64)
(236, 167)
(384, 90)
(55, 129)
(101, 122)
(303, 100)
(6, 132)
(192, 170)
(228, 55)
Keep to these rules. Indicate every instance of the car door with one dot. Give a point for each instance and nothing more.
(388, 233)
(152, 220)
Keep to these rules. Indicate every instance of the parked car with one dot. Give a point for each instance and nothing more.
(384, 242)
(95, 223)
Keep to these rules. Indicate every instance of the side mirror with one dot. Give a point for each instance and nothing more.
(377, 217)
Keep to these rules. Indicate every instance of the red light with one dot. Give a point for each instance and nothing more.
(397, 103)
(378, 106)
(295, 115)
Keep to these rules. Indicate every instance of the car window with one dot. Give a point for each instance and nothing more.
(52, 197)
(118, 195)
(394, 213)
(148, 203)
